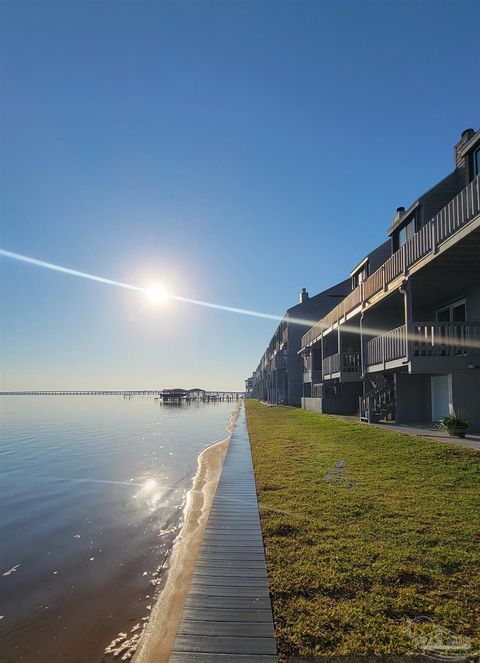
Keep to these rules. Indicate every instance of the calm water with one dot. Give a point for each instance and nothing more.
(92, 496)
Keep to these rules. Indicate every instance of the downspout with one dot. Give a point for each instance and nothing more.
(362, 348)
(406, 290)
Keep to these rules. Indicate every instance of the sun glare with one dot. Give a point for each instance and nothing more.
(157, 293)
(149, 485)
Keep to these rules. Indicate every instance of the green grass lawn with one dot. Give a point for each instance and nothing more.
(358, 548)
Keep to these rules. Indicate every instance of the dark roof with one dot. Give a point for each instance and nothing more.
(339, 290)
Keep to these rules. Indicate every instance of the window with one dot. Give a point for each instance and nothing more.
(360, 276)
(476, 162)
(405, 233)
(456, 312)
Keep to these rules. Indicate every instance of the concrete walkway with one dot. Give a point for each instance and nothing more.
(470, 441)
(227, 617)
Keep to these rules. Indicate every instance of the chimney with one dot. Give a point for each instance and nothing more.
(303, 296)
(398, 214)
(465, 137)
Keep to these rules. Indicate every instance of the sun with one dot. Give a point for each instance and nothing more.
(157, 293)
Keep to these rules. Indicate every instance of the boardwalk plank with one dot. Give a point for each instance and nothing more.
(222, 658)
(227, 572)
(240, 628)
(227, 616)
(224, 645)
(201, 601)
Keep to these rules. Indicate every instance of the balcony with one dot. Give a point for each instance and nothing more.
(387, 348)
(327, 390)
(435, 347)
(279, 361)
(345, 365)
(313, 376)
(427, 242)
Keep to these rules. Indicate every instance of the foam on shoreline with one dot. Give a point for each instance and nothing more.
(159, 635)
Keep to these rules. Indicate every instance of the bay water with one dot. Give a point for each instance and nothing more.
(92, 492)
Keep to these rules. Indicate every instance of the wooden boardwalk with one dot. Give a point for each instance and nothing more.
(227, 616)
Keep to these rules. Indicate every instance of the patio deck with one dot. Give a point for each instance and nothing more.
(227, 616)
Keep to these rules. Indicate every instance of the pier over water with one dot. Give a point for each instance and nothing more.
(161, 394)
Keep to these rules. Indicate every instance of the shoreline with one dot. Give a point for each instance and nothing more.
(158, 637)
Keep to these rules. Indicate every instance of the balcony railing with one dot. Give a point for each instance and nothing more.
(331, 364)
(345, 362)
(325, 390)
(348, 304)
(458, 213)
(446, 339)
(428, 339)
(387, 347)
(279, 361)
(310, 375)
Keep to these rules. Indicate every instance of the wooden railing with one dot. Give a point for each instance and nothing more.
(351, 362)
(326, 390)
(310, 375)
(387, 347)
(428, 339)
(446, 339)
(352, 300)
(279, 361)
(346, 362)
(378, 404)
(374, 283)
(459, 211)
(331, 364)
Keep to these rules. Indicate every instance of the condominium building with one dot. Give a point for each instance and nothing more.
(404, 343)
(278, 377)
(249, 387)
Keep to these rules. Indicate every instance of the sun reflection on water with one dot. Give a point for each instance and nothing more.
(150, 493)
(149, 485)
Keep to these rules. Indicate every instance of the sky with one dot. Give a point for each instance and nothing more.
(235, 150)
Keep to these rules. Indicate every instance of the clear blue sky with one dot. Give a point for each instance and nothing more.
(240, 150)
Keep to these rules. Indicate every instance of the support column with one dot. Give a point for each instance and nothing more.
(363, 348)
(322, 356)
(408, 308)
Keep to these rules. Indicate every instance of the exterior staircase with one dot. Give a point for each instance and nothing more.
(378, 404)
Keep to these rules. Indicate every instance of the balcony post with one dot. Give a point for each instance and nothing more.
(434, 235)
(339, 345)
(408, 308)
(363, 354)
(322, 355)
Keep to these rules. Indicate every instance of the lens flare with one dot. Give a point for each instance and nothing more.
(130, 286)
(157, 293)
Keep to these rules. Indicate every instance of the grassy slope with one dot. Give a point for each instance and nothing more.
(348, 565)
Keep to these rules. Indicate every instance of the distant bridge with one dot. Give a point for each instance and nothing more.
(159, 393)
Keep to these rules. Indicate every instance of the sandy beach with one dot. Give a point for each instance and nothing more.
(159, 634)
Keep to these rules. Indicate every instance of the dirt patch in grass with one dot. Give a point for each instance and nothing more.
(365, 530)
